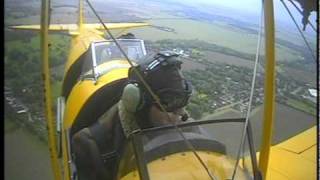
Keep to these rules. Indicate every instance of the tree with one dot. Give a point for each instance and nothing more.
(194, 110)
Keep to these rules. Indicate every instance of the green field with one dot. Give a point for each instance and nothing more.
(56, 90)
(160, 14)
(216, 57)
(302, 76)
(191, 29)
(302, 106)
(10, 126)
(25, 156)
(225, 113)
(216, 33)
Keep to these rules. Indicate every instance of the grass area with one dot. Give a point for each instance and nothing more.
(55, 90)
(9, 125)
(26, 157)
(212, 33)
(209, 32)
(301, 106)
(22, 21)
(216, 57)
(14, 44)
(285, 54)
(218, 32)
(24, 55)
(223, 113)
(307, 77)
(34, 43)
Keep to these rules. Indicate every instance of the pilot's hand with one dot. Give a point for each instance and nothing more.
(182, 113)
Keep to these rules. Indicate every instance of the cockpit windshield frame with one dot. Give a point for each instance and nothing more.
(92, 73)
(137, 143)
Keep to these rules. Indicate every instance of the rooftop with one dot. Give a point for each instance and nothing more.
(313, 92)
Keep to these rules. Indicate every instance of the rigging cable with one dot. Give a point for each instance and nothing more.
(50, 12)
(312, 26)
(154, 96)
(304, 38)
(244, 132)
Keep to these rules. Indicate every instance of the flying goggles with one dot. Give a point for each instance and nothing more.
(163, 58)
(173, 99)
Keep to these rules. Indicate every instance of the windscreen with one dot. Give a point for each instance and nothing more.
(101, 53)
(108, 50)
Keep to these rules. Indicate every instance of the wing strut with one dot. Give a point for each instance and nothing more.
(269, 87)
(47, 89)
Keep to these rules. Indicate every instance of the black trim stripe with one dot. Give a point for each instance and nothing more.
(98, 103)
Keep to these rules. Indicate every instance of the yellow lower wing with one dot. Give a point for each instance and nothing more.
(294, 158)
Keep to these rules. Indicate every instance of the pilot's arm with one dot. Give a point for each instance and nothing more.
(91, 144)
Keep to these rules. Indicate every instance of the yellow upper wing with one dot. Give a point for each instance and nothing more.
(74, 27)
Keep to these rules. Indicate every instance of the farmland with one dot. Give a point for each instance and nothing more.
(302, 76)
(207, 26)
(191, 29)
(288, 123)
(215, 57)
(212, 33)
(25, 156)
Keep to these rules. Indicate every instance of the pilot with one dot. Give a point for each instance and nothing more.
(105, 55)
(98, 148)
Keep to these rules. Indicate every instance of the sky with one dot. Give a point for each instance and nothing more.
(249, 10)
(252, 7)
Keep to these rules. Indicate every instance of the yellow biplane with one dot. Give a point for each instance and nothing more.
(95, 71)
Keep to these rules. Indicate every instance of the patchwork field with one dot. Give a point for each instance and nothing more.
(191, 29)
(189, 65)
(302, 76)
(160, 14)
(223, 58)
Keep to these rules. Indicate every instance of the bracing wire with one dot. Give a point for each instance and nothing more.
(304, 38)
(312, 26)
(154, 96)
(244, 131)
(50, 13)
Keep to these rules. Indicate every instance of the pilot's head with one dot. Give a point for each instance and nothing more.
(162, 72)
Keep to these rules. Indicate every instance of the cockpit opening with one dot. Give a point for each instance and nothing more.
(162, 152)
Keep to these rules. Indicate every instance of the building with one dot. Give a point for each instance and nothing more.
(313, 92)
